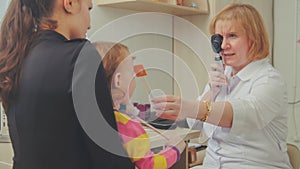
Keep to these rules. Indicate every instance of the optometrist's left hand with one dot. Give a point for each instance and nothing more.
(174, 108)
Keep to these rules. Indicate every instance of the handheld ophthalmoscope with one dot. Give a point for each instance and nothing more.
(216, 42)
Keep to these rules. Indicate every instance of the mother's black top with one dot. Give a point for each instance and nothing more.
(43, 124)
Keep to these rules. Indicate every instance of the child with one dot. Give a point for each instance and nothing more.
(118, 64)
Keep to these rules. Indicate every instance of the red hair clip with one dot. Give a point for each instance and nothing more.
(139, 70)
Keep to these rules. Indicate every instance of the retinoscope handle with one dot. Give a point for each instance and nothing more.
(216, 42)
(218, 60)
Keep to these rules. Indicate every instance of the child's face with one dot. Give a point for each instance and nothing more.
(127, 78)
(131, 76)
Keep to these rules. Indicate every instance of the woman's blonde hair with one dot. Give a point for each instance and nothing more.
(249, 19)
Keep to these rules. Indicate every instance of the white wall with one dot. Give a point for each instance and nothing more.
(151, 49)
(3, 6)
(286, 58)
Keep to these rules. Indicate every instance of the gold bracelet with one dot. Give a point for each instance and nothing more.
(208, 110)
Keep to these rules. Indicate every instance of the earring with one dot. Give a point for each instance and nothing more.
(35, 28)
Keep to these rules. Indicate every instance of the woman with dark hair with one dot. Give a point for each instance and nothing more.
(40, 42)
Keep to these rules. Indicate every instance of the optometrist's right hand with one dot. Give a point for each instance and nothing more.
(217, 78)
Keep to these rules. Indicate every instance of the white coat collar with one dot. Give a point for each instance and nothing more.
(248, 71)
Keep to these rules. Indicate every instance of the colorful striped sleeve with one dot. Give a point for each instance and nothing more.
(136, 143)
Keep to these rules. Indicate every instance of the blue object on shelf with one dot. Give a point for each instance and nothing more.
(193, 5)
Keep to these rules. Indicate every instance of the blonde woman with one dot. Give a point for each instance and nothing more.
(247, 122)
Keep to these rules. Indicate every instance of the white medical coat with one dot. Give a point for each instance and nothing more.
(257, 139)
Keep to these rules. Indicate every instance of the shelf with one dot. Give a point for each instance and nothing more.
(156, 6)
